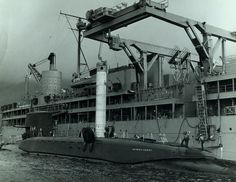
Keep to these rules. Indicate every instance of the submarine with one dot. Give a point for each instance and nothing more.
(94, 144)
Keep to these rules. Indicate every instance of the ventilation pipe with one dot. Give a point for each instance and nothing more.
(51, 58)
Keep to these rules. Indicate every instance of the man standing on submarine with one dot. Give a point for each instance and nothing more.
(89, 138)
(186, 138)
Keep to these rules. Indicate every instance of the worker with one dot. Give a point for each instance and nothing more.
(136, 136)
(126, 134)
(89, 138)
(106, 133)
(201, 139)
(111, 132)
(186, 138)
(40, 132)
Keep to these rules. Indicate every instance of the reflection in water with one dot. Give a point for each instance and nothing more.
(18, 166)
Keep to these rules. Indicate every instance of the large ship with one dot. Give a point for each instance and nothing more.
(196, 96)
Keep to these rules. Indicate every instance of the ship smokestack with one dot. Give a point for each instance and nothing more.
(52, 60)
(101, 80)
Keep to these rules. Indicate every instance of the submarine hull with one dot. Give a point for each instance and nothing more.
(112, 150)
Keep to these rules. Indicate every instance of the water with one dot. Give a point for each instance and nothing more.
(19, 166)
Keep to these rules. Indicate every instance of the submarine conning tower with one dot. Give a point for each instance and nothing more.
(101, 80)
(52, 78)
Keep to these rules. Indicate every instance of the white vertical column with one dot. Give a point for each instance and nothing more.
(145, 71)
(101, 99)
(160, 71)
(223, 57)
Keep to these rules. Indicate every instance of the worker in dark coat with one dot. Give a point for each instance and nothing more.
(111, 132)
(202, 140)
(106, 134)
(186, 138)
(89, 138)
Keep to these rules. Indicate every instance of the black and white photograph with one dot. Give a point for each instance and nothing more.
(117, 91)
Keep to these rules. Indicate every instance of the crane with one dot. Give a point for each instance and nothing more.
(103, 21)
(35, 72)
(148, 54)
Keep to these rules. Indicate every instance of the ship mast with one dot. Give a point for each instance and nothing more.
(79, 47)
(81, 25)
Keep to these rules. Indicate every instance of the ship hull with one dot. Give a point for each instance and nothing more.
(112, 150)
(172, 128)
(221, 145)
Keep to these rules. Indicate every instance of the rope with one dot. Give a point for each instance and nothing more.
(84, 58)
(190, 124)
(67, 19)
(185, 119)
(40, 62)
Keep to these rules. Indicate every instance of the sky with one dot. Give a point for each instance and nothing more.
(31, 29)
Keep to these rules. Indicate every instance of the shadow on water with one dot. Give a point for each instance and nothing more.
(19, 166)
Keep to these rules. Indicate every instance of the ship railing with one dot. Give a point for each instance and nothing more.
(222, 88)
(140, 116)
(226, 88)
(71, 96)
(212, 89)
(52, 108)
(148, 94)
(67, 133)
(126, 117)
(153, 93)
(150, 116)
(159, 137)
(158, 93)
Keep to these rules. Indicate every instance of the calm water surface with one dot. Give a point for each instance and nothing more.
(19, 166)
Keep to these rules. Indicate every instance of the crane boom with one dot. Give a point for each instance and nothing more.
(104, 20)
(141, 10)
(35, 72)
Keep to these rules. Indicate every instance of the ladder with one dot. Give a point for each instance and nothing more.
(202, 111)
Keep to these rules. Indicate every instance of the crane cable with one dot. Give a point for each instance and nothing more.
(40, 62)
(185, 119)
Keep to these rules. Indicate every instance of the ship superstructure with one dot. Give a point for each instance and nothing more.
(141, 99)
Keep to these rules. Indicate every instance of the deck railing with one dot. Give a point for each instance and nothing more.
(222, 88)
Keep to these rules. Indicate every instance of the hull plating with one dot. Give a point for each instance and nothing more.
(113, 150)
